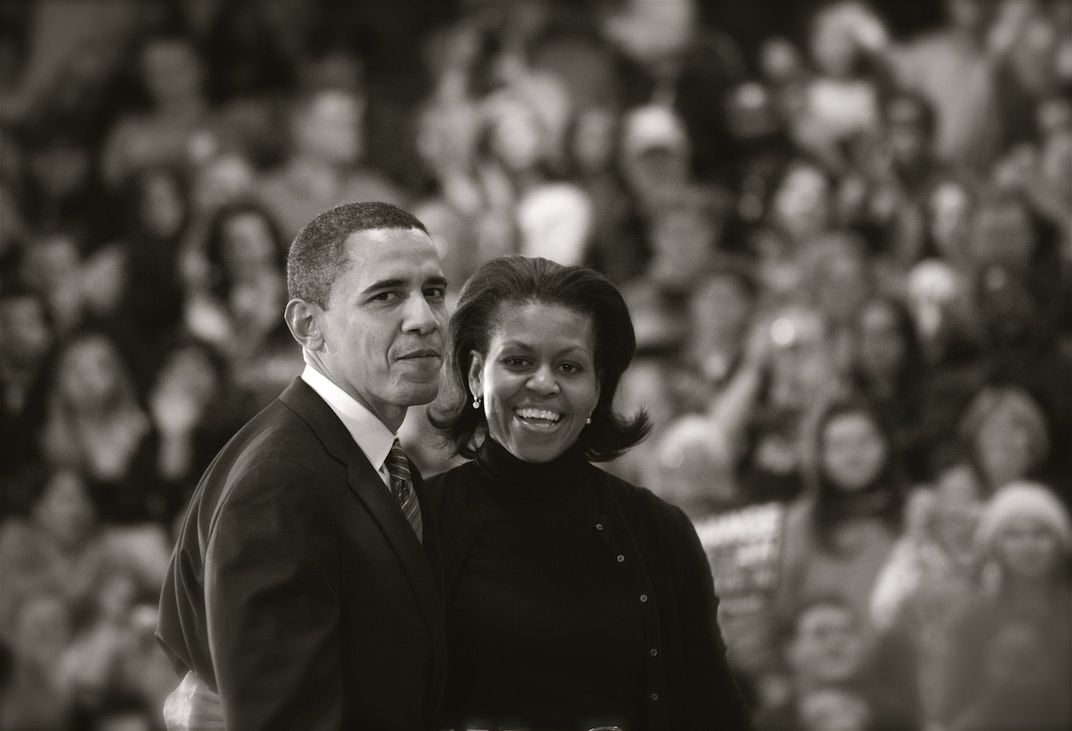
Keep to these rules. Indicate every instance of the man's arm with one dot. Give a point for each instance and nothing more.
(271, 571)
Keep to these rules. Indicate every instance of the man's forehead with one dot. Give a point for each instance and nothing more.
(404, 248)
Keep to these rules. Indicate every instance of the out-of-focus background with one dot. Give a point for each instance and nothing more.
(843, 231)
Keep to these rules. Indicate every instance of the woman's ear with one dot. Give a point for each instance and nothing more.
(302, 320)
(476, 374)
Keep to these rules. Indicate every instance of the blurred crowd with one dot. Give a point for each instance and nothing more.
(843, 230)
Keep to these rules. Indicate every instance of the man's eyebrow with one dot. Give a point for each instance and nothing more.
(385, 284)
(397, 283)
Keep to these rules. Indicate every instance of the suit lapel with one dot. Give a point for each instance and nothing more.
(365, 483)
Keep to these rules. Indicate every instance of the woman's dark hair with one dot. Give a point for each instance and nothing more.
(883, 498)
(214, 240)
(517, 280)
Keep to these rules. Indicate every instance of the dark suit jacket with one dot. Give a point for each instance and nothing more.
(297, 588)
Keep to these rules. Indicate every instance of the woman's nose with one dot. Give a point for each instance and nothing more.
(543, 381)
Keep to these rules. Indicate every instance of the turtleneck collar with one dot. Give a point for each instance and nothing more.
(565, 472)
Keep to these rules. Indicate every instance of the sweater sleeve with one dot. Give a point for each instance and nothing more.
(712, 699)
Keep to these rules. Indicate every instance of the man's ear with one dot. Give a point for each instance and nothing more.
(476, 374)
(303, 320)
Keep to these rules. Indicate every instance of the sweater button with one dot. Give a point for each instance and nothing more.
(643, 597)
(621, 558)
(654, 696)
(599, 526)
(653, 652)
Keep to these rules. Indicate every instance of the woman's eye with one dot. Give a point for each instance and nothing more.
(569, 368)
(515, 362)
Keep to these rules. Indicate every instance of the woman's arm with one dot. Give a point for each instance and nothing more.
(712, 699)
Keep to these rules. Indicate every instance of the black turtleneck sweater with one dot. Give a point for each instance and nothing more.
(561, 609)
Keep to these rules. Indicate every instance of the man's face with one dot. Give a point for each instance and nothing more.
(330, 127)
(382, 329)
(828, 646)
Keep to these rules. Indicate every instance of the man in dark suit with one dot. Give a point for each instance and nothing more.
(299, 589)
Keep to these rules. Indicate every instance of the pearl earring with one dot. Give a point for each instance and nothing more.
(588, 420)
(476, 402)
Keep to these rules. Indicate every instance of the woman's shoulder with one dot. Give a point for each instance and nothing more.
(637, 501)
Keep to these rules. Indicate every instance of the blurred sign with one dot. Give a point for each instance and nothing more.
(743, 549)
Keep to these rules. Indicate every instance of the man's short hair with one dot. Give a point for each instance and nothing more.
(317, 253)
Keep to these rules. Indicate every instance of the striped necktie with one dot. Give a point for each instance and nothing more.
(402, 488)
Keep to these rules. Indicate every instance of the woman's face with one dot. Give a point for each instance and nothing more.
(247, 248)
(538, 379)
(1028, 548)
(65, 510)
(950, 213)
(90, 373)
(882, 344)
(1003, 444)
(594, 139)
(854, 450)
(516, 138)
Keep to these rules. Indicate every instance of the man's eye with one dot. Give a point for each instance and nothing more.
(384, 297)
(436, 294)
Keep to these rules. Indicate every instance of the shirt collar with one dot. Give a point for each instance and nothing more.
(370, 434)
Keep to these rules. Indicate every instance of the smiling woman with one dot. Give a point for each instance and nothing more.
(574, 600)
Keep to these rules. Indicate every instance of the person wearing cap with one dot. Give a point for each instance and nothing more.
(1011, 665)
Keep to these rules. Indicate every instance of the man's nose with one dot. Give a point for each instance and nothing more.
(419, 316)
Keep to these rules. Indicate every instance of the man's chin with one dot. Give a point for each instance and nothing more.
(417, 393)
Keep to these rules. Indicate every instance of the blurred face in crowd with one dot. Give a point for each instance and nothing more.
(538, 379)
(1028, 548)
(24, 329)
(683, 240)
(171, 71)
(162, 206)
(187, 381)
(833, 45)
(950, 219)
(64, 509)
(1004, 446)
(828, 647)
(957, 508)
(1003, 233)
(854, 451)
(223, 180)
(882, 347)
(329, 127)
(90, 373)
(42, 630)
(380, 335)
(517, 137)
(248, 248)
(594, 138)
(906, 131)
(802, 202)
(1007, 307)
(842, 280)
(720, 309)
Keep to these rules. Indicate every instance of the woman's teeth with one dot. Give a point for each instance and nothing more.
(539, 415)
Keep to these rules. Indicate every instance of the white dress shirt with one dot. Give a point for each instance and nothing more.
(370, 434)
